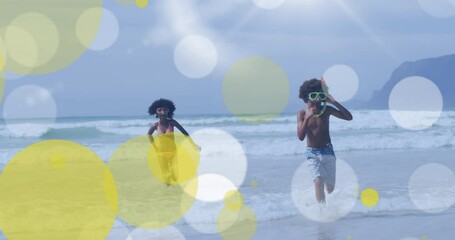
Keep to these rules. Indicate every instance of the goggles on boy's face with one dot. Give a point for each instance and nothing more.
(317, 96)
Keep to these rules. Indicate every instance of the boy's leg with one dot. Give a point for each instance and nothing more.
(319, 189)
(329, 188)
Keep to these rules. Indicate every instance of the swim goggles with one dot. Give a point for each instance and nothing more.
(317, 96)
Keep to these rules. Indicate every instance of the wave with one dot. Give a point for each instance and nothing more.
(275, 206)
(368, 141)
(76, 132)
(286, 124)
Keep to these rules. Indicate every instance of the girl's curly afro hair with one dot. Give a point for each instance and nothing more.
(162, 103)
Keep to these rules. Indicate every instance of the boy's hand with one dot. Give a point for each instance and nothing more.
(330, 99)
(308, 113)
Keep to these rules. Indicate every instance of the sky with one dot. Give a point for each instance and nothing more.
(209, 57)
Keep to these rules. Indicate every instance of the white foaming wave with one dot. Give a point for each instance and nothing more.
(279, 205)
(371, 141)
(24, 130)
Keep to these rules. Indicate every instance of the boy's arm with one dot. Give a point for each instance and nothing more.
(341, 112)
(302, 121)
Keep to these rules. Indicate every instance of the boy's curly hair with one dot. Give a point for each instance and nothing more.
(312, 85)
(162, 103)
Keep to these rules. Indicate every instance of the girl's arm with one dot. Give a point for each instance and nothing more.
(184, 132)
(151, 131)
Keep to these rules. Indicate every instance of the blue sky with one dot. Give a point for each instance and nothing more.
(305, 37)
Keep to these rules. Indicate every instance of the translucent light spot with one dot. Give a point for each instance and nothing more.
(409, 238)
(202, 216)
(2, 68)
(52, 43)
(142, 3)
(233, 200)
(22, 47)
(249, 85)
(342, 81)
(107, 32)
(41, 38)
(254, 183)
(87, 33)
(45, 203)
(126, 2)
(268, 4)
(29, 111)
(432, 188)
(369, 197)
(144, 200)
(338, 204)
(3, 56)
(239, 224)
(195, 56)
(221, 154)
(169, 232)
(58, 161)
(438, 8)
(415, 103)
(213, 187)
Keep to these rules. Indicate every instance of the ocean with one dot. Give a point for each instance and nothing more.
(265, 162)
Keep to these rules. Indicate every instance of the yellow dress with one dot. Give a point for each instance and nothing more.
(166, 150)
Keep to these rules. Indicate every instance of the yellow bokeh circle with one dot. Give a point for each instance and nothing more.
(233, 200)
(369, 197)
(256, 89)
(142, 3)
(56, 189)
(145, 200)
(238, 224)
(41, 36)
(3, 60)
(32, 39)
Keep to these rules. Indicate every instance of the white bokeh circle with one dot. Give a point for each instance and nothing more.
(107, 33)
(438, 8)
(268, 4)
(213, 187)
(202, 216)
(169, 232)
(343, 82)
(29, 110)
(415, 103)
(195, 56)
(432, 188)
(338, 204)
(221, 154)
